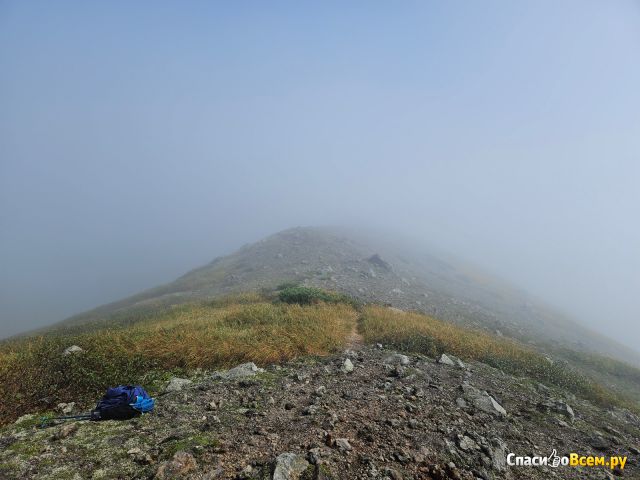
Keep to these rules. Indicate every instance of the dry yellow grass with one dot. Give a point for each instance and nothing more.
(424, 334)
(187, 337)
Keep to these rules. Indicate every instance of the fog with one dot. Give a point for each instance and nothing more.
(140, 141)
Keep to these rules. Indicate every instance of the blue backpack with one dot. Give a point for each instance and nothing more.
(123, 402)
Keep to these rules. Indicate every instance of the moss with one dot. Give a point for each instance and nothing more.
(27, 448)
(193, 444)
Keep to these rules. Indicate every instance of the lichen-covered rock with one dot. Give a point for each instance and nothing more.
(72, 350)
(177, 384)
(347, 366)
(289, 466)
(244, 370)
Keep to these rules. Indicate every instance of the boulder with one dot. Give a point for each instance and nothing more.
(343, 444)
(467, 443)
(498, 454)
(445, 360)
(557, 406)
(347, 366)
(243, 370)
(482, 400)
(66, 408)
(177, 384)
(376, 260)
(289, 466)
(72, 350)
(396, 359)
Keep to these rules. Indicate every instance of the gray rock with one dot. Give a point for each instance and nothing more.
(396, 359)
(177, 384)
(72, 350)
(289, 466)
(556, 406)
(445, 360)
(376, 260)
(343, 444)
(347, 366)
(467, 443)
(66, 408)
(498, 454)
(311, 410)
(482, 400)
(599, 443)
(243, 370)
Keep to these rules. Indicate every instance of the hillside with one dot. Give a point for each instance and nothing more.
(346, 361)
(340, 391)
(377, 271)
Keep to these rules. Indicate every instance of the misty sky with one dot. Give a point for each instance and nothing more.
(139, 140)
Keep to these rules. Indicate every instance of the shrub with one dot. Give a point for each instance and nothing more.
(286, 285)
(311, 295)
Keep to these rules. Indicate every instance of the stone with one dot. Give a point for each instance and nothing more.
(482, 400)
(467, 443)
(343, 444)
(376, 260)
(243, 370)
(289, 466)
(557, 406)
(177, 384)
(347, 366)
(66, 408)
(65, 431)
(181, 464)
(599, 443)
(396, 359)
(445, 360)
(72, 350)
(498, 454)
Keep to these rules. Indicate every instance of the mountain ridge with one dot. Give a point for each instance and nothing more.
(337, 259)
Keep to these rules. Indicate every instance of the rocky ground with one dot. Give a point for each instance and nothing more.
(368, 413)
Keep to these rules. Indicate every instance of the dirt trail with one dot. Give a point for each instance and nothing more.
(355, 340)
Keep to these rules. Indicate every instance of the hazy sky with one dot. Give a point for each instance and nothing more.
(139, 140)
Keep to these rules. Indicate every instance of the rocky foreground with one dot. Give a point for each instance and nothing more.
(364, 414)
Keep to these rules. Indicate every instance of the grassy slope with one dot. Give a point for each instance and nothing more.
(420, 333)
(35, 375)
(148, 347)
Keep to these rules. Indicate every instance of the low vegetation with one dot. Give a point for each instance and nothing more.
(35, 375)
(310, 295)
(420, 333)
(147, 347)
